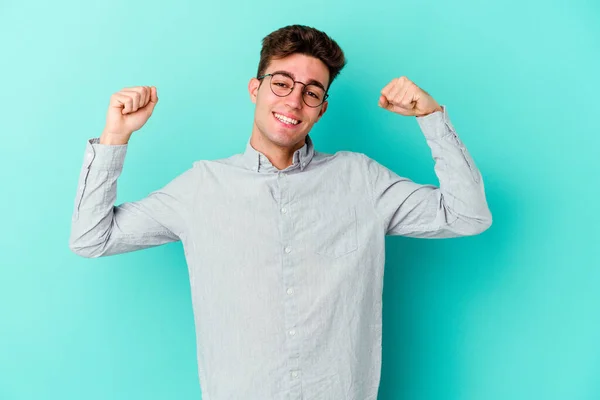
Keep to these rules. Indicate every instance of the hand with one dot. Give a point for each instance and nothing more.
(403, 97)
(128, 111)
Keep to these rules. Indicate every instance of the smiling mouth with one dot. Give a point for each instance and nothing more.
(285, 120)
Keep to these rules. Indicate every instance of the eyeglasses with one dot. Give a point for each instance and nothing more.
(282, 85)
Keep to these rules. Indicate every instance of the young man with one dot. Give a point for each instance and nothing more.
(284, 244)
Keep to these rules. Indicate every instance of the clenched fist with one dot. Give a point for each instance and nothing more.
(128, 111)
(403, 97)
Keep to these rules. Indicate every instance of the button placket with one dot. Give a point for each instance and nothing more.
(289, 264)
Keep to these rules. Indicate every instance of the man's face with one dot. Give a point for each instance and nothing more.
(267, 126)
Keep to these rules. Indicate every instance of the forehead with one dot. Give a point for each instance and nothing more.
(303, 67)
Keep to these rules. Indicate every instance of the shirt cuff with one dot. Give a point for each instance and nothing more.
(436, 125)
(103, 156)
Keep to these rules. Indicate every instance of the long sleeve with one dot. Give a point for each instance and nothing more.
(458, 207)
(99, 228)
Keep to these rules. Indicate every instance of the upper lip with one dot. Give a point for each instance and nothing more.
(288, 115)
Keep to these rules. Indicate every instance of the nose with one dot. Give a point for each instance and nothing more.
(294, 99)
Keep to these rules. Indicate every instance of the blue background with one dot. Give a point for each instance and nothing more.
(511, 314)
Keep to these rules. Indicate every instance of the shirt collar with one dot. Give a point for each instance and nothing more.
(258, 162)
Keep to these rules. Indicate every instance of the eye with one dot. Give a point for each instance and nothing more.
(281, 84)
(313, 94)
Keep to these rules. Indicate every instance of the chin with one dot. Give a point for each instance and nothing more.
(285, 140)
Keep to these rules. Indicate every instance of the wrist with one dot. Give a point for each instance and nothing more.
(112, 139)
(438, 108)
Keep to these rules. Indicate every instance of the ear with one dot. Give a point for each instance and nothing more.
(253, 89)
(323, 109)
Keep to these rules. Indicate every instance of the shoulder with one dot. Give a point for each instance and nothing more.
(344, 156)
(233, 160)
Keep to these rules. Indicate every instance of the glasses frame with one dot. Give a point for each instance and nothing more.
(292, 89)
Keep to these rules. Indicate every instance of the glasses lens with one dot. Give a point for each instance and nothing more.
(281, 85)
(313, 95)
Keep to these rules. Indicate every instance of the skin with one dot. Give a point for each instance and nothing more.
(276, 140)
(130, 108)
(403, 97)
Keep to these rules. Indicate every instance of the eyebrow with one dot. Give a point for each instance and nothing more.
(310, 82)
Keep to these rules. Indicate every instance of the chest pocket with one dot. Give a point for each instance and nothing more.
(334, 233)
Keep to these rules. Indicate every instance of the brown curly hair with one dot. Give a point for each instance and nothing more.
(304, 40)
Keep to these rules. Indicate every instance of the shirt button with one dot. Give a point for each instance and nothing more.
(290, 291)
(292, 332)
(295, 374)
(284, 210)
(288, 250)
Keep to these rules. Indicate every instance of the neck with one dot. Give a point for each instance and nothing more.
(280, 157)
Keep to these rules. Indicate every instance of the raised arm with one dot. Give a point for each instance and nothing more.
(458, 207)
(98, 227)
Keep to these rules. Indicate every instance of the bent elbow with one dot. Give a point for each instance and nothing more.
(83, 250)
(482, 224)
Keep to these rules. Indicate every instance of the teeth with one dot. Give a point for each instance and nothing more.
(286, 119)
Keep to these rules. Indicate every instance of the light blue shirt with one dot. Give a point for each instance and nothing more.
(286, 266)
